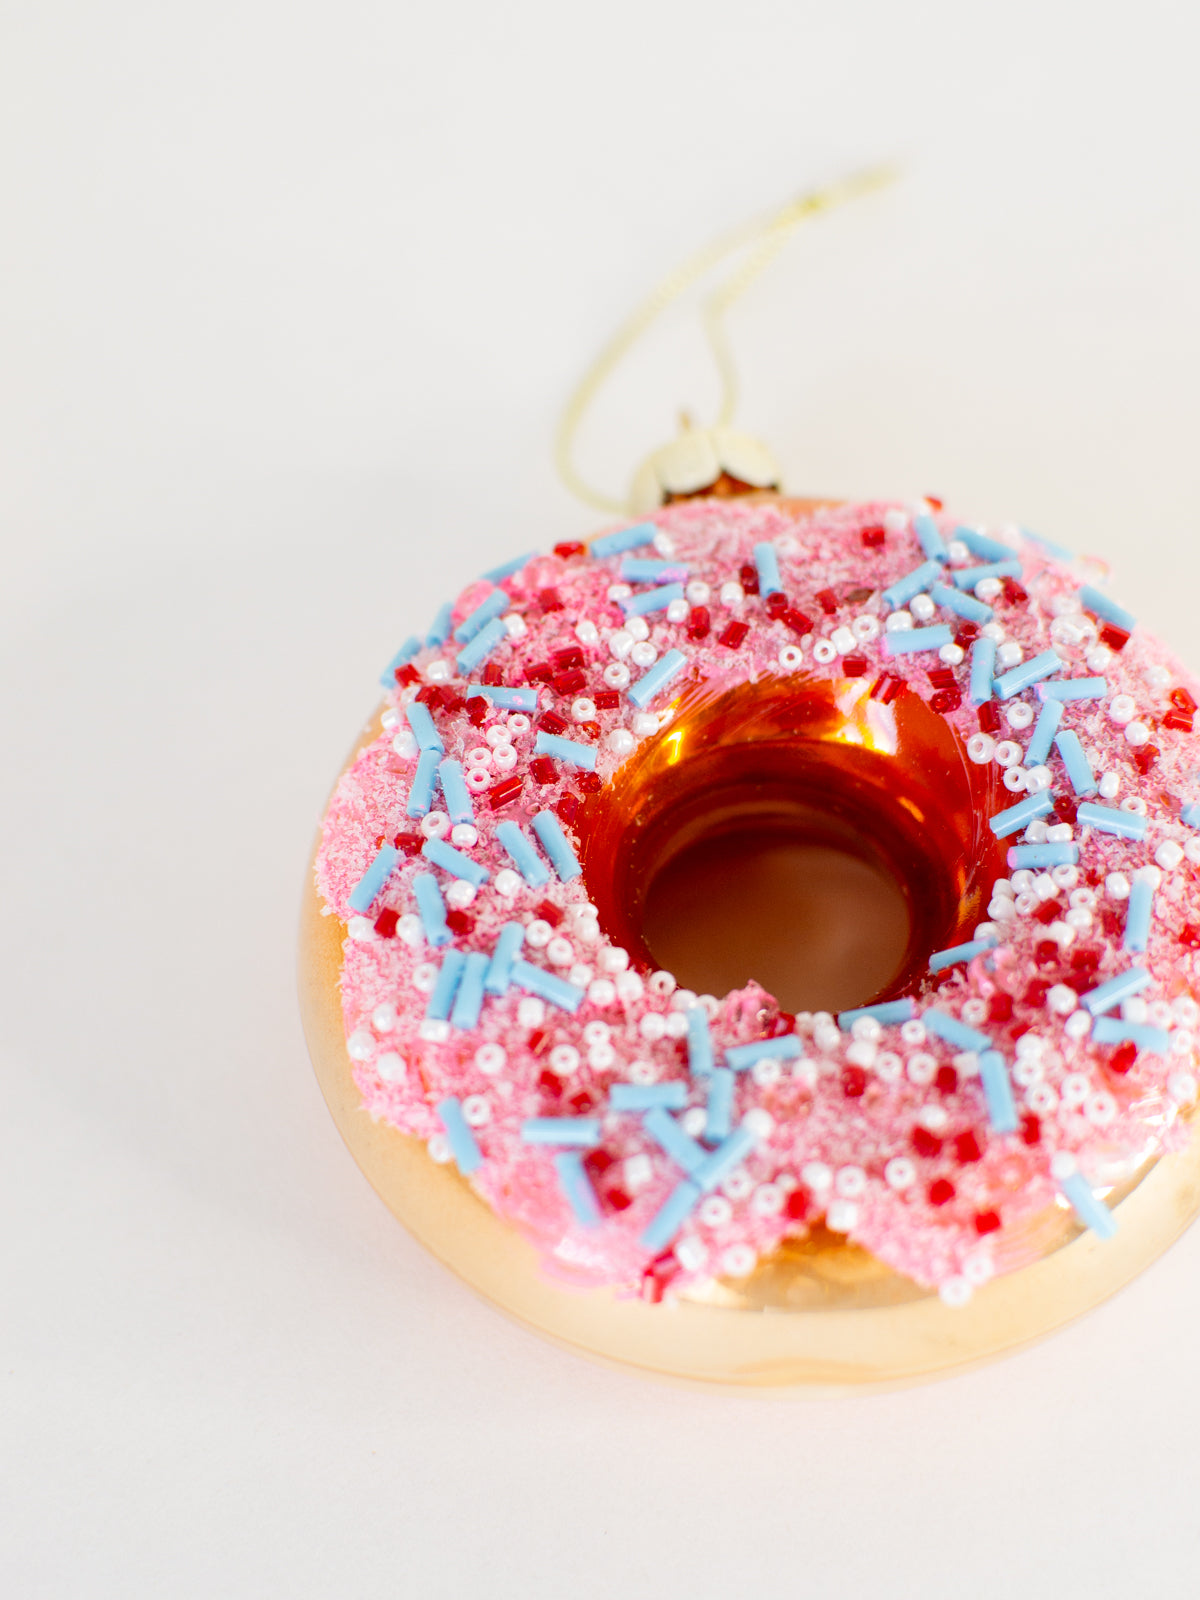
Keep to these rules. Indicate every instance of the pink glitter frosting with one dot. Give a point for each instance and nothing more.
(931, 1133)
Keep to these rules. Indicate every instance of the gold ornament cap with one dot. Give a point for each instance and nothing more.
(703, 461)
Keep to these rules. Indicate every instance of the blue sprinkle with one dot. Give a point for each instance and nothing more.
(954, 1032)
(907, 641)
(462, 1143)
(700, 1049)
(1114, 1030)
(577, 1187)
(997, 1092)
(431, 908)
(568, 750)
(1103, 606)
(641, 605)
(534, 980)
(454, 862)
(1021, 815)
(406, 652)
(499, 972)
(440, 631)
(1092, 1212)
(1079, 770)
(1029, 672)
(1124, 824)
(645, 569)
(931, 542)
(646, 1096)
(615, 544)
(455, 792)
(983, 664)
(669, 1136)
(785, 1048)
(483, 613)
(421, 723)
(767, 562)
(1137, 915)
(887, 1014)
(507, 568)
(582, 1132)
(902, 591)
(507, 699)
(445, 988)
(468, 1002)
(1059, 550)
(670, 1216)
(441, 997)
(420, 796)
(720, 1105)
(1190, 815)
(1048, 722)
(728, 1154)
(481, 646)
(1106, 995)
(963, 605)
(373, 879)
(968, 577)
(657, 678)
(556, 845)
(522, 854)
(1039, 857)
(979, 544)
(1073, 689)
(960, 952)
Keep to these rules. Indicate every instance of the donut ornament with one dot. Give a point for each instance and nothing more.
(761, 945)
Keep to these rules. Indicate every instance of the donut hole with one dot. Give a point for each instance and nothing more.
(804, 835)
(813, 918)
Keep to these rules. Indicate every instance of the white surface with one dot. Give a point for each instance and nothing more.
(291, 297)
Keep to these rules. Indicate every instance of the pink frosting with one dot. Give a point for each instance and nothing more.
(817, 1152)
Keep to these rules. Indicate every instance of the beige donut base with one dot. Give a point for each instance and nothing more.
(823, 1317)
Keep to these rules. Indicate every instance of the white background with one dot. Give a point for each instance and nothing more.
(290, 297)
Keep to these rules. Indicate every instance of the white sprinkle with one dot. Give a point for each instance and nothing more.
(424, 977)
(531, 1012)
(361, 929)
(464, 835)
(738, 1260)
(434, 1031)
(477, 1111)
(677, 610)
(1019, 715)
(824, 651)
(817, 1176)
(460, 894)
(955, 1293)
(732, 595)
(1169, 855)
(900, 1173)
(694, 1121)
(981, 747)
(1007, 753)
(404, 744)
(638, 629)
(691, 1253)
(698, 592)
(952, 654)
(620, 741)
(508, 883)
(620, 644)
(1122, 709)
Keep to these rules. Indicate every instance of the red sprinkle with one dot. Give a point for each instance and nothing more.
(854, 1082)
(385, 923)
(590, 782)
(406, 674)
(569, 548)
(827, 601)
(606, 699)
(926, 1143)
(966, 633)
(986, 1222)
(1175, 718)
(734, 634)
(777, 603)
(989, 717)
(477, 710)
(507, 789)
(548, 912)
(1015, 593)
(942, 678)
(544, 769)
(538, 1040)
(940, 1190)
(1000, 1007)
(572, 682)
(748, 578)
(797, 622)
(568, 806)
(945, 701)
(1048, 912)
(1123, 1057)
(551, 722)
(885, 688)
(410, 843)
(967, 1147)
(1144, 757)
(1045, 952)
(1115, 638)
(549, 600)
(854, 666)
(459, 922)
(1031, 1128)
(874, 535)
(698, 623)
(797, 1205)
(565, 659)
(946, 1079)
(1183, 701)
(539, 672)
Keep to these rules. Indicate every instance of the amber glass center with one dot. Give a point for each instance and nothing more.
(801, 834)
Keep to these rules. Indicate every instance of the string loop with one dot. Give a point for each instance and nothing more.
(767, 235)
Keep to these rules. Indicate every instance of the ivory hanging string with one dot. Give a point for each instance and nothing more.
(761, 240)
